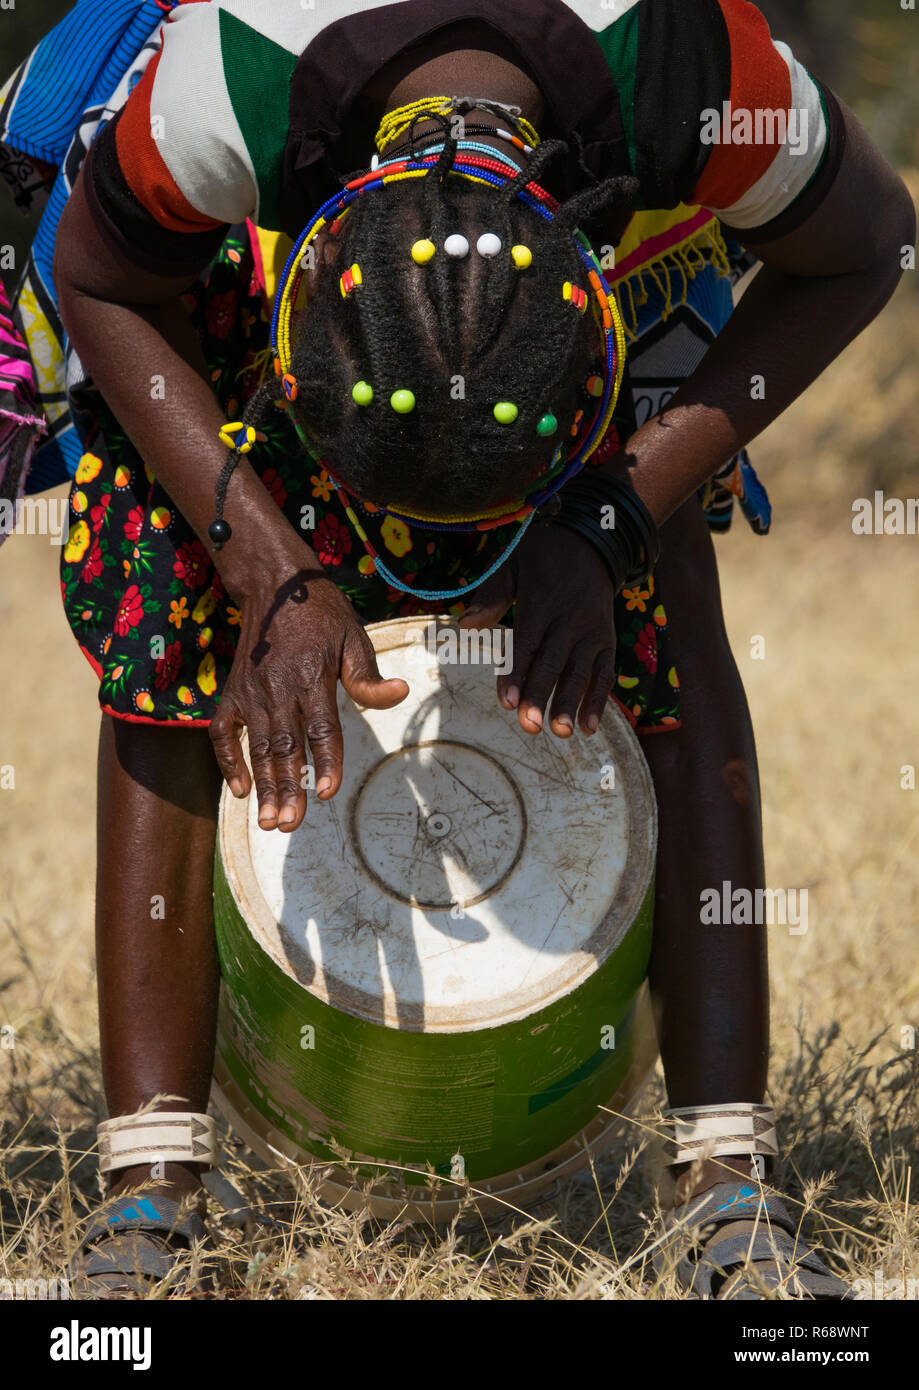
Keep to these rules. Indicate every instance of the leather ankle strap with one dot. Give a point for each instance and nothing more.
(159, 1136)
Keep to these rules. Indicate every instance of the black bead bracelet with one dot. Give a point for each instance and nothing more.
(630, 546)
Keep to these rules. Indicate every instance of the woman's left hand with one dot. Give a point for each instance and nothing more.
(563, 635)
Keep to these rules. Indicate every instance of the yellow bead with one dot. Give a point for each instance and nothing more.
(423, 251)
(566, 290)
(357, 273)
(522, 257)
(228, 435)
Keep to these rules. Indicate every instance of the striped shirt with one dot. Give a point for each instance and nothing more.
(708, 110)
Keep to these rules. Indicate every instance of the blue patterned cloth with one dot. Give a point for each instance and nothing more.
(666, 350)
(51, 109)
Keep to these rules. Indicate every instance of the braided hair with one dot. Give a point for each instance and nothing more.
(461, 335)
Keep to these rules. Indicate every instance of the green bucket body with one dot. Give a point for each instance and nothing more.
(500, 1097)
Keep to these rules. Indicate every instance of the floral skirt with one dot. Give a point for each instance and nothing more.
(146, 603)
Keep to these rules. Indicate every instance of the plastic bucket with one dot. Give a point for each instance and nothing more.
(440, 974)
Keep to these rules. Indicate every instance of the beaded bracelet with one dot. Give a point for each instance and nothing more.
(630, 547)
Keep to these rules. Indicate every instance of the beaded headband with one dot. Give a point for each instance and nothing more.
(480, 164)
(496, 172)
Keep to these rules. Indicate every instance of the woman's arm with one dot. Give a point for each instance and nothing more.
(128, 326)
(818, 288)
(299, 633)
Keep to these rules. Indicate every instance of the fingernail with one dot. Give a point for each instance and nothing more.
(236, 787)
(287, 815)
(513, 696)
(324, 785)
(565, 723)
(593, 723)
(534, 715)
(267, 813)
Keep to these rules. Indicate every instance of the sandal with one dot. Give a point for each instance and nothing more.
(736, 1242)
(134, 1243)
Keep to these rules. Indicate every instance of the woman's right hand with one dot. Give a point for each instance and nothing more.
(298, 639)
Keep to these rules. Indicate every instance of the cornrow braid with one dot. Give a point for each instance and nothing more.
(502, 270)
(433, 202)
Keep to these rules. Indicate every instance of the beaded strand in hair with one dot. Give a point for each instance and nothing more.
(253, 412)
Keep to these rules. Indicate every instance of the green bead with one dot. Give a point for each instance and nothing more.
(547, 425)
(362, 393)
(506, 412)
(402, 402)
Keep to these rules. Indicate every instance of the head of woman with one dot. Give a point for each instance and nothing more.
(462, 362)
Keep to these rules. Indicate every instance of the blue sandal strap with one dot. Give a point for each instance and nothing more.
(133, 1236)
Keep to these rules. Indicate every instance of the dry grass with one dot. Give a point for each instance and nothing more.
(833, 707)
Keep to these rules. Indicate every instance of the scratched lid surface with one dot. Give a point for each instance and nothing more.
(466, 874)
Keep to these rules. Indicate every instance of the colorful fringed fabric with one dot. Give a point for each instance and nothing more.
(663, 252)
(677, 304)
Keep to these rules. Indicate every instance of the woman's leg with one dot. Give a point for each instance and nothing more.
(156, 953)
(709, 983)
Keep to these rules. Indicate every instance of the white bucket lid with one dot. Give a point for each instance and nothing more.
(467, 874)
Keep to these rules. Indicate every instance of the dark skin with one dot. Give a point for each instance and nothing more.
(818, 288)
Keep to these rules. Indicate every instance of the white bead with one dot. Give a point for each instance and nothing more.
(375, 162)
(488, 244)
(456, 245)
